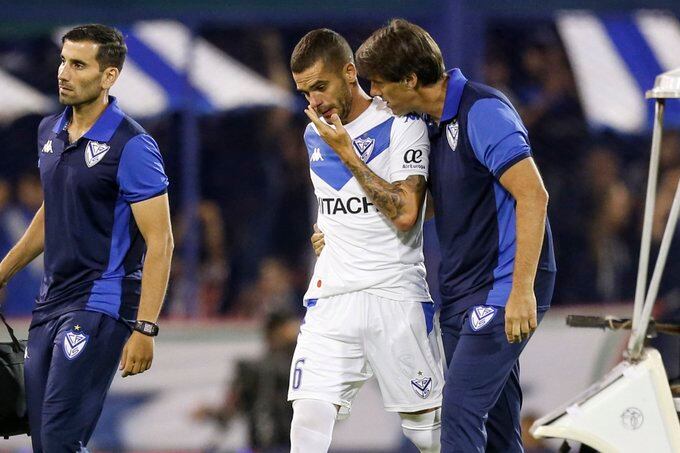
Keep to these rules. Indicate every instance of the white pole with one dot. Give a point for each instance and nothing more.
(643, 267)
(637, 336)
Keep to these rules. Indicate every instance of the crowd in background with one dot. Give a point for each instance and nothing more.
(596, 178)
(257, 207)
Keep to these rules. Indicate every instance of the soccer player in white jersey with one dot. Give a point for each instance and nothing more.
(369, 311)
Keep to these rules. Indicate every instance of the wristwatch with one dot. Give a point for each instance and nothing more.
(147, 328)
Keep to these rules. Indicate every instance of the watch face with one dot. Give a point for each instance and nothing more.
(147, 328)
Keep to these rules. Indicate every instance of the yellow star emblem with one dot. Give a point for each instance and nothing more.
(77, 327)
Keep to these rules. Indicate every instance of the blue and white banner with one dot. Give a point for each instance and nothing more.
(162, 55)
(18, 99)
(161, 52)
(615, 59)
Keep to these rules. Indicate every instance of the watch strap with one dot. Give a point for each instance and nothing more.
(147, 328)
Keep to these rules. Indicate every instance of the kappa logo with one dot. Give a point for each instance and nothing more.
(452, 134)
(481, 316)
(94, 152)
(422, 386)
(316, 155)
(364, 147)
(47, 147)
(74, 343)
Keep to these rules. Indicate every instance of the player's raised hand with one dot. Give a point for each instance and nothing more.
(137, 354)
(317, 239)
(336, 136)
(520, 316)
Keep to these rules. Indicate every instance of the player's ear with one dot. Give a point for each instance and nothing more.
(411, 81)
(350, 73)
(109, 77)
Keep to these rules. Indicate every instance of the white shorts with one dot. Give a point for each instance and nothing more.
(346, 339)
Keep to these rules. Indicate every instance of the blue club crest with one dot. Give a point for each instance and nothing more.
(364, 147)
(422, 386)
(452, 134)
(94, 152)
(481, 315)
(74, 343)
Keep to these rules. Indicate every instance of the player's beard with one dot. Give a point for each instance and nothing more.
(345, 103)
(86, 94)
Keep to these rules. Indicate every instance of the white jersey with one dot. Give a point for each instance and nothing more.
(363, 249)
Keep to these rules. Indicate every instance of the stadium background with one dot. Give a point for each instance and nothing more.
(210, 81)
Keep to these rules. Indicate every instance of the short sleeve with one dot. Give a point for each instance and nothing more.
(498, 137)
(140, 172)
(42, 130)
(409, 148)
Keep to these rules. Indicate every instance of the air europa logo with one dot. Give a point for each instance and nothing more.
(413, 156)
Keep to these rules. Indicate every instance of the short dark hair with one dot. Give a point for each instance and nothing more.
(398, 50)
(324, 44)
(112, 48)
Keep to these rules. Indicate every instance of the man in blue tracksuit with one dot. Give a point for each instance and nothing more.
(498, 268)
(104, 227)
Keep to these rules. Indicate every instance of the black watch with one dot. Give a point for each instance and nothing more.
(147, 328)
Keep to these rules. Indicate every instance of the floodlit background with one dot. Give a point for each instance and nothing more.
(210, 81)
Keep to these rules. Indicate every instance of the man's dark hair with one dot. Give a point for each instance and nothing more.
(112, 48)
(398, 50)
(321, 44)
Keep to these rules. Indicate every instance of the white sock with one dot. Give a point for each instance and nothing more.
(312, 427)
(424, 430)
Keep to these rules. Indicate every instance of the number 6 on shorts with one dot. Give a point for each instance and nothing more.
(297, 374)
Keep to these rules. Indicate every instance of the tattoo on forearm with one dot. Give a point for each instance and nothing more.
(388, 198)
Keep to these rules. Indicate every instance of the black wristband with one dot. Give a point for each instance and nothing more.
(147, 328)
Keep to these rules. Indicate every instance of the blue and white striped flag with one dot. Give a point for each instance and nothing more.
(152, 81)
(615, 59)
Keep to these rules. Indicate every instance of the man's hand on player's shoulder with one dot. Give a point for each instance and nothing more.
(137, 354)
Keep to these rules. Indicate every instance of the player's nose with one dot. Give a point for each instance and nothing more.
(315, 100)
(62, 73)
(374, 90)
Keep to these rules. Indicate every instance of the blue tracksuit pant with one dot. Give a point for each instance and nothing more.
(71, 361)
(482, 395)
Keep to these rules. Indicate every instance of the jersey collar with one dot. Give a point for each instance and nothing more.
(102, 130)
(454, 91)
